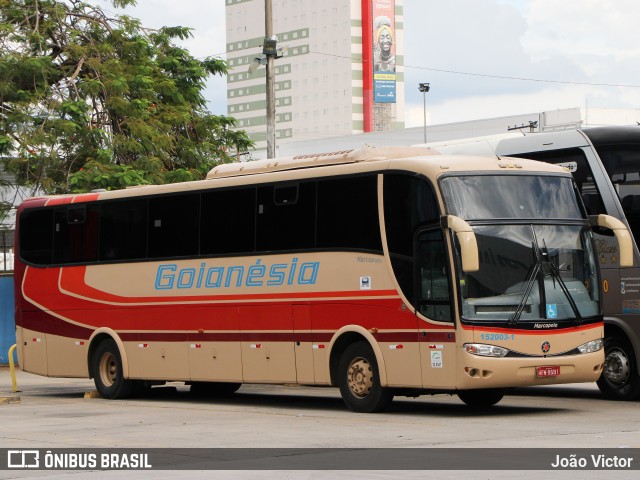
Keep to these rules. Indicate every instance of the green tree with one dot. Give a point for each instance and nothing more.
(89, 101)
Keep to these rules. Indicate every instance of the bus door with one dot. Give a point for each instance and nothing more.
(433, 301)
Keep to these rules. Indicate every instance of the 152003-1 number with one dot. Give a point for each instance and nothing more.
(497, 336)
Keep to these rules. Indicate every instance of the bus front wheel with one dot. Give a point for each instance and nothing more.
(107, 372)
(481, 398)
(619, 379)
(359, 380)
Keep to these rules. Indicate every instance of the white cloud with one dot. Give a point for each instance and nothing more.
(206, 18)
(581, 41)
(583, 28)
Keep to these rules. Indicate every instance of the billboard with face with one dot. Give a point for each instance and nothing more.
(384, 58)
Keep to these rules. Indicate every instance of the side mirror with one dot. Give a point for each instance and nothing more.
(622, 236)
(468, 242)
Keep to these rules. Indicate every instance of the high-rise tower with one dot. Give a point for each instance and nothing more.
(342, 69)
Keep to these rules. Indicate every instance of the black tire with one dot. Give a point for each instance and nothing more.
(107, 372)
(359, 380)
(482, 398)
(214, 389)
(619, 379)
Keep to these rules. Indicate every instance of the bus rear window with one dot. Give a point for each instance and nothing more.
(36, 236)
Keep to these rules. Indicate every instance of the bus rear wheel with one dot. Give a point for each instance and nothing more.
(619, 379)
(359, 380)
(107, 372)
(482, 398)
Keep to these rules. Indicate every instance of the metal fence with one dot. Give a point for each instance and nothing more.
(6, 249)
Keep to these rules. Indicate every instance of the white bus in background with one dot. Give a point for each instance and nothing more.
(605, 163)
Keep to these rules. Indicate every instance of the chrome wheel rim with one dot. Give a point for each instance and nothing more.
(616, 367)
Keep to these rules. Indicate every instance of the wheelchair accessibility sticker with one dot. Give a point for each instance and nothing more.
(552, 310)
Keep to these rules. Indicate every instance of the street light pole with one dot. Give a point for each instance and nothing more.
(269, 49)
(424, 88)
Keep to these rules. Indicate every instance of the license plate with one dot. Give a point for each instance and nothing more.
(547, 371)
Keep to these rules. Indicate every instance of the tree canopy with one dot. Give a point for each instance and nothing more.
(92, 101)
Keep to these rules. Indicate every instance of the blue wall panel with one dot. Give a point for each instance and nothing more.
(7, 321)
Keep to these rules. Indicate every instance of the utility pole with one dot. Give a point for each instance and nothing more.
(269, 49)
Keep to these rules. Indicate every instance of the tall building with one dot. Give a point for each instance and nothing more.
(341, 70)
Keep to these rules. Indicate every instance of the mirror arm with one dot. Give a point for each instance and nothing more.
(467, 239)
(622, 236)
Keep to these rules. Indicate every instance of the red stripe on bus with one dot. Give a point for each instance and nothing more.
(85, 197)
(59, 201)
(327, 317)
(67, 199)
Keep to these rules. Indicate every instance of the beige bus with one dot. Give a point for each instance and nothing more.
(381, 271)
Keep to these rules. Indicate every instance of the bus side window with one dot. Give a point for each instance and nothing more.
(409, 204)
(631, 207)
(173, 223)
(593, 203)
(286, 217)
(227, 221)
(36, 236)
(75, 234)
(347, 215)
(123, 230)
(433, 281)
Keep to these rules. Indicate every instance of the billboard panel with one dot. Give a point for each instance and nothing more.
(384, 51)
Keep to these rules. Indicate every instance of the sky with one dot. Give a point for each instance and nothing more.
(483, 58)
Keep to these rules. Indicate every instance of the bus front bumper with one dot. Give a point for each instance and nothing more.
(487, 372)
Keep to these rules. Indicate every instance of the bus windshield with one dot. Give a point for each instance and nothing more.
(478, 197)
(528, 272)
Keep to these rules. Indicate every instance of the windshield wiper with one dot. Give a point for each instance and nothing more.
(531, 280)
(555, 275)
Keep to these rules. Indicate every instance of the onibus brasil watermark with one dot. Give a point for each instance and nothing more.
(32, 459)
(353, 458)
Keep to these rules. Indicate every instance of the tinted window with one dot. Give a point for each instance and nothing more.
(348, 213)
(409, 204)
(75, 234)
(433, 281)
(286, 217)
(227, 221)
(36, 236)
(173, 226)
(123, 230)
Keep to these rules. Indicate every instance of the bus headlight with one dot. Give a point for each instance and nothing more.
(590, 347)
(484, 350)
